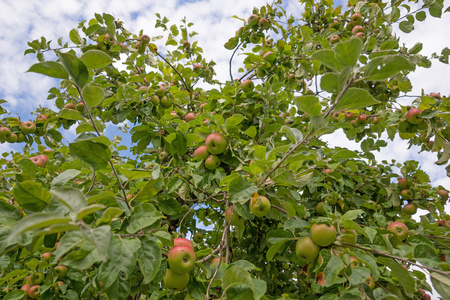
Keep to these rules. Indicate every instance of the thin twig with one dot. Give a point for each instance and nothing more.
(176, 71)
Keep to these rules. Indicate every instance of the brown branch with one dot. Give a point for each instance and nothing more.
(176, 71)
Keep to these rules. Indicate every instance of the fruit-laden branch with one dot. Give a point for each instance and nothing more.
(339, 96)
(207, 257)
(99, 134)
(176, 71)
(398, 258)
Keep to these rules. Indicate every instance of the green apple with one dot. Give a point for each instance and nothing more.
(145, 39)
(38, 278)
(20, 137)
(182, 242)
(410, 209)
(306, 249)
(212, 162)
(5, 133)
(356, 19)
(165, 102)
(12, 138)
(253, 20)
(356, 29)
(80, 107)
(236, 220)
(155, 100)
(259, 205)
(414, 116)
(323, 234)
(406, 127)
(407, 194)
(263, 23)
(216, 143)
(320, 209)
(403, 182)
(201, 153)
(176, 281)
(34, 291)
(198, 237)
(354, 262)
(247, 85)
(186, 44)
(181, 259)
(61, 271)
(28, 127)
(399, 229)
(161, 91)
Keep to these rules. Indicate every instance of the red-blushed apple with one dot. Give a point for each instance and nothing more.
(47, 256)
(354, 262)
(399, 229)
(28, 127)
(236, 219)
(410, 209)
(80, 107)
(361, 35)
(201, 153)
(181, 259)
(253, 20)
(361, 120)
(26, 287)
(70, 106)
(5, 133)
(176, 281)
(12, 138)
(34, 291)
(47, 150)
(323, 234)
(436, 95)
(306, 249)
(291, 77)
(143, 88)
(370, 282)
(403, 182)
(217, 259)
(407, 194)
(446, 224)
(349, 115)
(375, 121)
(165, 102)
(259, 205)
(443, 193)
(414, 116)
(267, 54)
(182, 242)
(212, 162)
(356, 19)
(327, 171)
(335, 39)
(44, 158)
(109, 40)
(216, 143)
(58, 284)
(161, 91)
(263, 23)
(61, 271)
(37, 161)
(247, 86)
(145, 39)
(186, 44)
(356, 29)
(189, 116)
(196, 68)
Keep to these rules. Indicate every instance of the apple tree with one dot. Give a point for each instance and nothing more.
(241, 167)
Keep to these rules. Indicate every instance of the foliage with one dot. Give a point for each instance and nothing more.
(111, 219)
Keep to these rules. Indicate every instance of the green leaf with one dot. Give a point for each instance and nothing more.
(31, 195)
(71, 197)
(110, 214)
(441, 283)
(344, 154)
(308, 104)
(294, 224)
(232, 43)
(95, 59)
(151, 188)
(295, 135)
(329, 83)
(446, 153)
(405, 278)
(359, 275)
(334, 266)
(95, 154)
(355, 98)
(64, 177)
(14, 295)
(100, 237)
(86, 211)
(421, 16)
(236, 274)
(75, 67)
(241, 190)
(51, 69)
(352, 214)
(259, 288)
(143, 216)
(36, 221)
(93, 95)
(274, 250)
(70, 114)
(406, 26)
(169, 206)
(328, 58)
(384, 67)
(75, 37)
(347, 52)
(8, 214)
(149, 259)
(240, 291)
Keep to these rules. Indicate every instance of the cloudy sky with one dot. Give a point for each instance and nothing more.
(26, 20)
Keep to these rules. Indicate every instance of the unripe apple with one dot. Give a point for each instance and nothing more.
(349, 115)
(335, 39)
(145, 39)
(155, 100)
(186, 44)
(198, 237)
(165, 102)
(236, 220)
(176, 281)
(201, 153)
(259, 205)
(323, 234)
(34, 291)
(403, 183)
(47, 256)
(12, 138)
(356, 29)
(38, 278)
(406, 127)
(5, 133)
(212, 162)
(361, 35)
(61, 271)
(349, 236)
(370, 282)
(399, 229)
(410, 209)
(70, 106)
(41, 118)
(254, 38)
(356, 19)
(189, 116)
(109, 40)
(196, 68)
(443, 194)
(217, 259)
(320, 209)
(413, 116)
(354, 262)
(253, 20)
(161, 91)
(263, 23)
(306, 249)
(182, 242)
(216, 143)
(181, 259)
(407, 194)
(247, 86)
(28, 127)
(436, 95)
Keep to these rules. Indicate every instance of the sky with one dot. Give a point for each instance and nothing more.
(26, 20)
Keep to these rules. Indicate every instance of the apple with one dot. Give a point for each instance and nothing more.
(268, 43)
(335, 39)
(70, 106)
(198, 237)
(44, 158)
(196, 68)
(47, 256)
(247, 85)
(443, 194)
(216, 143)
(161, 91)
(26, 287)
(356, 19)
(403, 182)
(407, 194)
(263, 23)
(259, 205)
(217, 259)
(202, 106)
(12, 138)
(291, 77)
(181, 259)
(406, 127)
(20, 137)
(201, 153)
(37, 161)
(182, 242)
(446, 224)
(399, 229)
(5, 133)
(330, 199)
(356, 29)
(370, 282)
(165, 102)
(320, 209)
(186, 44)
(354, 262)
(212, 162)
(145, 39)
(360, 35)
(306, 249)
(414, 116)
(267, 54)
(436, 95)
(28, 127)
(58, 285)
(410, 209)
(375, 120)
(189, 116)
(236, 220)
(34, 291)
(327, 171)
(349, 115)
(155, 100)
(176, 281)
(61, 271)
(27, 280)
(38, 278)
(253, 20)
(361, 120)
(109, 40)
(323, 234)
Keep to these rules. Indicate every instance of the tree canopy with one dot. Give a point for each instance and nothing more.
(229, 190)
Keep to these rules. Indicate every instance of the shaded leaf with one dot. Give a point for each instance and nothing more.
(95, 59)
(31, 195)
(75, 67)
(355, 98)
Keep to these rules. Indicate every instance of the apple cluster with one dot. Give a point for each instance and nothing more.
(17, 134)
(181, 259)
(160, 97)
(357, 120)
(215, 144)
(354, 25)
(253, 31)
(308, 247)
